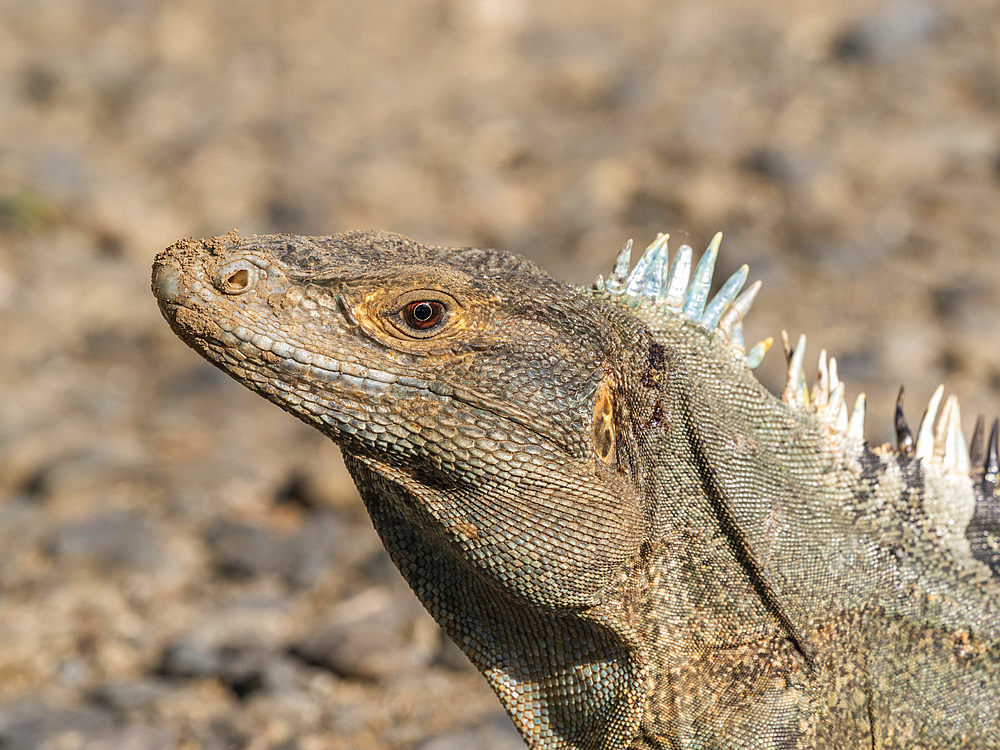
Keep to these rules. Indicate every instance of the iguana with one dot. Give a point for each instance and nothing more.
(635, 543)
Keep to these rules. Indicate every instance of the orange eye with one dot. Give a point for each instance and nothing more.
(423, 314)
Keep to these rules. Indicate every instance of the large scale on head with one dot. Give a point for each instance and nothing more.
(576, 484)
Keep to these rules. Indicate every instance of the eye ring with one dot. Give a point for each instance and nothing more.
(424, 314)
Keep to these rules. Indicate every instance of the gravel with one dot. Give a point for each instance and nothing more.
(184, 565)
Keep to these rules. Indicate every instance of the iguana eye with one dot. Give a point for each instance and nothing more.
(236, 278)
(423, 314)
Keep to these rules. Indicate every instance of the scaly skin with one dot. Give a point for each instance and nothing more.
(635, 543)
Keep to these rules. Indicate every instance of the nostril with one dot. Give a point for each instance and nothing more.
(237, 277)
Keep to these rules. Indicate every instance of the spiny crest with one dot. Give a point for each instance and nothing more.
(985, 463)
(675, 290)
(939, 438)
(940, 442)
(827, 400)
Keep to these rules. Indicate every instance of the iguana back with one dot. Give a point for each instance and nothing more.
(634, 542)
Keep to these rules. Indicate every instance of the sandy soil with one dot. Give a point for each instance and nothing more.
(183, 565)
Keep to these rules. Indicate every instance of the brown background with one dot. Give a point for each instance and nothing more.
(181, 564)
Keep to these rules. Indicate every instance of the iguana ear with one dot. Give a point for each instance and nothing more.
(565, 681)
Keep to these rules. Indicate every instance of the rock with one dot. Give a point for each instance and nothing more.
(133, 737)
(246, 551)
(493, 733)
(113, 540)
(372, 636)
(129, 697)
(31, 723)
(311, 552)
(244, 669)
(891, 32)
(186, 659)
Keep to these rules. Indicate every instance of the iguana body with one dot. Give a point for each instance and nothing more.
(634, 542)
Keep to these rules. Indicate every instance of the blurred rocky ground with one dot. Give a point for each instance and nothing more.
(183, 565)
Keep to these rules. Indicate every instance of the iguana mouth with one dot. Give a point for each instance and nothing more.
(304, 363)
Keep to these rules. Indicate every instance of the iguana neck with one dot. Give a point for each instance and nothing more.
(568, 677)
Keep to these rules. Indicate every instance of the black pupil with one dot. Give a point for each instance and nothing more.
(423, 312)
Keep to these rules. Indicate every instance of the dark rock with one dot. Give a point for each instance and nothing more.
(247, 551)
(297, 490)
(959, 299)
(312, 551)
(39, 84)
(128, 697)
(223, 733)
(377, 569)
(493, 733)
(244, 551)
(244, 669)
(779, 165)
(389, 638)
(186, 659)
(31, 724)
(890, 32)
(118, 539)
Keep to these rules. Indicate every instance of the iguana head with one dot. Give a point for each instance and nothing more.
(468, 377)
